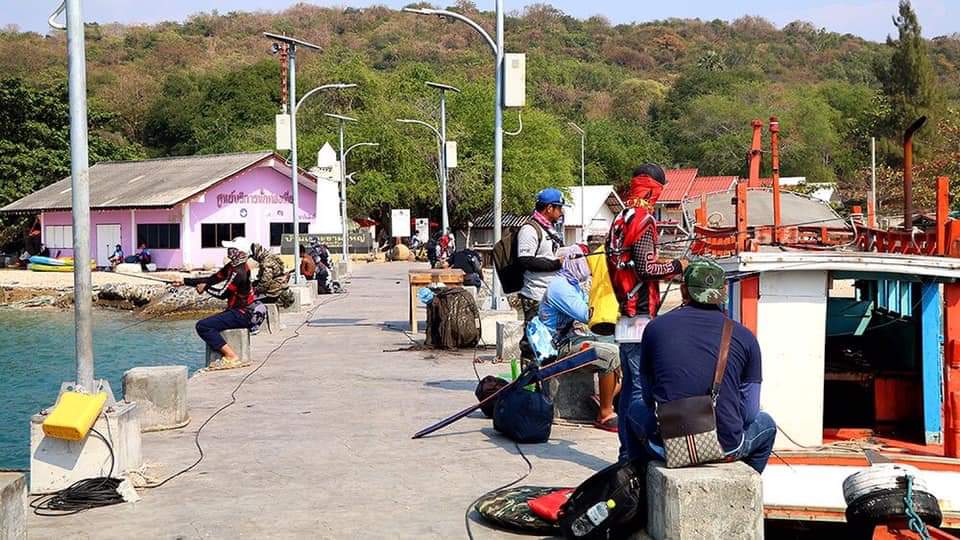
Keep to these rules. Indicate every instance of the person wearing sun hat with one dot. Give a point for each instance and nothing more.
(237, 289)
(679, 351)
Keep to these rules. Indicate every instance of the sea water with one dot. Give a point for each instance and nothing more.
(37, 354)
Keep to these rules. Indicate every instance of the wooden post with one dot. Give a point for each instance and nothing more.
(775, 156)
(943, 213)
(741, 216)
(755, 154)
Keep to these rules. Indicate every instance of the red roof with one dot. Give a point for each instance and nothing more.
(678, 183)
(710, 184)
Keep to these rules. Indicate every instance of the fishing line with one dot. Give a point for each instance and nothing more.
(233, 394)
(466, 514)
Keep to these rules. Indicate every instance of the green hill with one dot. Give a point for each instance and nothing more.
(679, 92)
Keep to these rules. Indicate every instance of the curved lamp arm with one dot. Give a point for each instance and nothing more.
(348, 150)
(459, 17)
(337, 86)
(420, 123)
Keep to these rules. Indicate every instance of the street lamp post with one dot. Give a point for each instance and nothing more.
(342, 121)
(441, 161)
(496, 46)
(583, 180)
(445, 176)
(80, 182)
(292, 45)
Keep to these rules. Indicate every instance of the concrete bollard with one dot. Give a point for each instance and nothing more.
(238, 339)
(161, 396)
(508, 339)
(273, 322)
(488, 325)
(571, 395)
(13, 506)
(303, 296)
(712, 501)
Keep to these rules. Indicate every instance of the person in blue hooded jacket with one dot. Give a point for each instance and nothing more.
(565, 311)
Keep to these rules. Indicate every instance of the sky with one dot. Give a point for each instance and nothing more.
(867, 18)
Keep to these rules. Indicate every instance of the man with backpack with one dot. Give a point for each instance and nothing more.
(680, 360)
(537, 245)
(635, 273)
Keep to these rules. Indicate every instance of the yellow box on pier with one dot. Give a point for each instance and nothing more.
(74, 415)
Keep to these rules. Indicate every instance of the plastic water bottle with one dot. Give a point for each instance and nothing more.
(593, 517)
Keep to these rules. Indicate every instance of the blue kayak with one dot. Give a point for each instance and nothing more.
(49, 261)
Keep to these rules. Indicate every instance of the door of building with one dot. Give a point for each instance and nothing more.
(108, 236)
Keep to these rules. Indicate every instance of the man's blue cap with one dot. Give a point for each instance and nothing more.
(550, 196)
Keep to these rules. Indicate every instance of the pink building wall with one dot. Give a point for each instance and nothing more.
(256, 198)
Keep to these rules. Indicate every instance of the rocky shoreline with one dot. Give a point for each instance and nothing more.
(148, 300)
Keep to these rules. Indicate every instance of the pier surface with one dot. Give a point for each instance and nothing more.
(318, 444)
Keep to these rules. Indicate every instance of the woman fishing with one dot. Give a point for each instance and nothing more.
(241, 310)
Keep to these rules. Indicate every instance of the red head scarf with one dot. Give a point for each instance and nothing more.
(644, 192)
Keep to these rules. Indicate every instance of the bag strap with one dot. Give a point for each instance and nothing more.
(722, 356)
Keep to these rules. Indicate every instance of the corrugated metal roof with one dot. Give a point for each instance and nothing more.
(678, 183)
(485, 221)
(710, 184)
(156, 183)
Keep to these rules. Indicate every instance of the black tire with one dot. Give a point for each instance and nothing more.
(880, 506)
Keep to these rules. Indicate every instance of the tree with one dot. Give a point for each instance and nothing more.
(34, 143)
(908, 79)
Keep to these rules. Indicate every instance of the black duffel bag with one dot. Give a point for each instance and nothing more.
(610, 504)
(522, 415)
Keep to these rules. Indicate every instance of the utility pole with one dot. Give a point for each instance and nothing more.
(291, 52)
(583, 180)
(80, 191)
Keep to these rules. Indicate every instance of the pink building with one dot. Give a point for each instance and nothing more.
(182, 208)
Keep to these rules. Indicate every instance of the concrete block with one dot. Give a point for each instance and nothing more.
(160, 393)
(57, 463)
(571, 395)
(129, 268)
(488, 325)
(273, 322)
(13, 506)
(508, 339)
(711, 501)
(238, 339)
(341, 269)
(303, 296)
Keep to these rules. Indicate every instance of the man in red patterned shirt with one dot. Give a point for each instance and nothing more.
(238, 291)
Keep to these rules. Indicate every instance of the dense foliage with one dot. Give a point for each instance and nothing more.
(679, 92)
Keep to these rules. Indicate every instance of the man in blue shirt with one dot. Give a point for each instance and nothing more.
(565, 312)
(679, 355)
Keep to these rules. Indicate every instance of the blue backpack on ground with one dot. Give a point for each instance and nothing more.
(522, 415)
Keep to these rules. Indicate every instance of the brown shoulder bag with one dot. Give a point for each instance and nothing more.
(689, 426)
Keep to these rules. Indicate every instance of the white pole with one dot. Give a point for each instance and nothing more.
(498, 151)
(343, 198)
(443, 159)
(80, 178)
(583, 188)
(292, 64)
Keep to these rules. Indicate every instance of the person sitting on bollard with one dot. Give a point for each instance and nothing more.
(680, 352)
(144, 257)
(117, 257)
(272, 285)
(242, 309)
(565, 312)
(308, 268)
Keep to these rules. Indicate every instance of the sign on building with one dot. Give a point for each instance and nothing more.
(400, 223)
(361, 241)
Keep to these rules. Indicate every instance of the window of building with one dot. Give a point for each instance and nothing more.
(159, 235)
(58, 236)
(213, 234)
(277, 230)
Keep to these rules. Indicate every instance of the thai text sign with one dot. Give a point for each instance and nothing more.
(360, 242)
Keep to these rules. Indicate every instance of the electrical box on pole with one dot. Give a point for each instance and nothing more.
(514, 80)
(451, 154)
(283, 132)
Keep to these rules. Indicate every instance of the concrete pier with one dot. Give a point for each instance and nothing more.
(13, 506)
(711, 501)
(238, 340)
(318, 444)
(160, 393)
